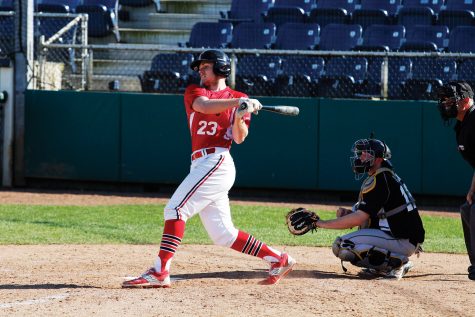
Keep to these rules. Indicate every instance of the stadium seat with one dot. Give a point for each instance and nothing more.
(367, 17)
(425, 35)
(427, 76)
(297, 36)
(72, 4)
(306, 5)
(53, 8)
(409, 16)
(454, 18)
(6, 5)
(300, 75)
(281, 15)
(460, 5)
(141, 3)
(324, 16)
(253, 35)
(169, 73)
(210, 34)
(348, 35)
(246, 11)
(103, 17)
(348, 5)
(343, 77)
(390, 6)
(462, 40)
(256, 74)
(399, 70)
(383, 37)
(435, 5)
(465, 71)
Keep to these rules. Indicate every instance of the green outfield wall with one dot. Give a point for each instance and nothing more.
(143, 138)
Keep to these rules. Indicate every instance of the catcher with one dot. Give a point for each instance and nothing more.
(390, 228)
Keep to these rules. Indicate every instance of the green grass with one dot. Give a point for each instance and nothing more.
(142, 224)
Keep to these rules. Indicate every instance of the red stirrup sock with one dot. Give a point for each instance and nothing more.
(246, 243)
(173, 232)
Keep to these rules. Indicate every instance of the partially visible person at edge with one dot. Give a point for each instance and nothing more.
(217, 116)
(455, 101)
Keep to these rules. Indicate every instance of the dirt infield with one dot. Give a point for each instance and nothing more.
(84, 280)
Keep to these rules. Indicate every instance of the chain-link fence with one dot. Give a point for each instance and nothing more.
(7, 33)
(66, 61)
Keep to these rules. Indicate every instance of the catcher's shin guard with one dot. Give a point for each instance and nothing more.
(367, 256)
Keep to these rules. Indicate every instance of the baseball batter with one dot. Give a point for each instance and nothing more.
(217, 116)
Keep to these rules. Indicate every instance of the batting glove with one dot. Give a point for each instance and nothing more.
(247, 105)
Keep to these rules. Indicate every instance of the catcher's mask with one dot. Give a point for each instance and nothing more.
(449, 97)
(365, 152)
(221, 62)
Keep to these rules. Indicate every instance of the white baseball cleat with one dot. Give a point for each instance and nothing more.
(400, 272)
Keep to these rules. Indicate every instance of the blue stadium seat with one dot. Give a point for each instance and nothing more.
(103, 17)
(348, 5)
(462, 40)
(344, 77)
(253, 35)
(246, 11)
(169, 73)
(300, 75)
(383, 37)
(367, 17)
(435, 5)
(72, 4)
(256, 74)
(465, 71)
(409, 16)
(281, 15)
(454, 16)
(297, 36)
(425, 35)
(53, 8)
(390, 6)
(348, 35)
(210, 34)
(306, 5)
(324, 16)
(6, 5)
(427, 76)
(399, 70)
(460, 5)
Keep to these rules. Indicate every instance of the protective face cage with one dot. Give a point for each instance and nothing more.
(365, 151)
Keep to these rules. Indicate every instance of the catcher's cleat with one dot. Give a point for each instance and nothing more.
(400, 272)
(150, 279)
(279, 270)
(471, 272)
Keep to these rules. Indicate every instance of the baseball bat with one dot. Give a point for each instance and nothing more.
(285, 110)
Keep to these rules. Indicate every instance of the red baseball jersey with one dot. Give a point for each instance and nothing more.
(211, 130)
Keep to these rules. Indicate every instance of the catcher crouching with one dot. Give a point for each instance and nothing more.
(390, 227)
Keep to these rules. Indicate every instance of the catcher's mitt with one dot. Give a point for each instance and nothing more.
(301, 220)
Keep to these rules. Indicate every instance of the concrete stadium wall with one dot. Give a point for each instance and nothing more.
(143, 138)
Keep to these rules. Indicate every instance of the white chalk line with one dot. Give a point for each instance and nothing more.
(35, 301)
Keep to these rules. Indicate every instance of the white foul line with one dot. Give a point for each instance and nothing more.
(34, 301)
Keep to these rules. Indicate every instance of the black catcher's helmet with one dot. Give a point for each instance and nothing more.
(449, 96)
(222, 63)
(365, 151)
